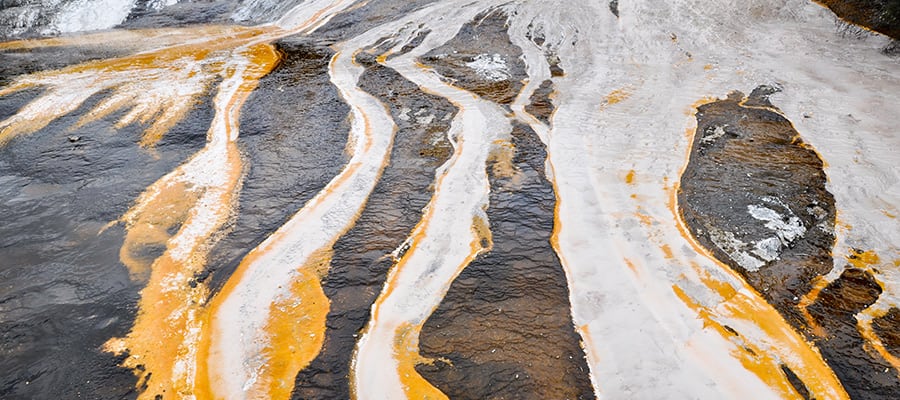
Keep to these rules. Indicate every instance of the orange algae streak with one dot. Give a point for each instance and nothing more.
(160, 85)
(785, 344)
(406, 352)
(744, 303)
(128, 38)
(406, 337)
(296, 329)
(751, 357)
(163, 341)
(632, 267)
(150, 227)
(667, 251)
(867, 260)
(644, 218)
(808, 300)
(167, 324)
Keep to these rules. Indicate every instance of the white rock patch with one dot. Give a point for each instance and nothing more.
(490, 66)
(787, 229)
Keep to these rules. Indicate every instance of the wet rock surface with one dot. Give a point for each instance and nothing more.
(26, 17)
(888, 330)
(293, 137)
(864, 373)
(854, 291)
(541, 106)
(18, 62)
(495, 75)
(369, 15)
(754, 194)
(879, 15)
(64, 292)
(504, 329)
(362, 257)
(152, 14)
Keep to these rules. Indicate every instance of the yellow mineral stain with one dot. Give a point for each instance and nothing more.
(888, 214)
(708, 67)
(862, 259)
(614, 97)
(406, 352)
(629, 178)
(667, 251)
(501, 162)
(632, 267)
(691, 111)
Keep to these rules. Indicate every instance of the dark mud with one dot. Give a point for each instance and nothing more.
(495, 75)
(505, 326)
(362, 256)
(64, 292)
(294, 131)
(754, 194)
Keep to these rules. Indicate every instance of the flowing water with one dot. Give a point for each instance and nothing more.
(447, 199)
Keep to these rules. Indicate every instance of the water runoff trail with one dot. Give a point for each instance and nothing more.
(658, 315)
